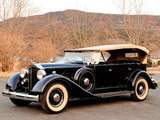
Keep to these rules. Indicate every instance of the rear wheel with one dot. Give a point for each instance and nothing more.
(55, 98)
(140, 89)
(20, 102)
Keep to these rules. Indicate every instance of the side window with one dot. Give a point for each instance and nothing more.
(131, 55)
(104, 56)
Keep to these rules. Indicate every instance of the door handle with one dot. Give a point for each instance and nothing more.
(129, 68)
(110, 70)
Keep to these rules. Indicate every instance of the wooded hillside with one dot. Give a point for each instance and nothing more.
(45, 36)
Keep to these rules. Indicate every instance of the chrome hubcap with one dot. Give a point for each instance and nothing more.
(86, 81)
(141, 89)
(56, 97)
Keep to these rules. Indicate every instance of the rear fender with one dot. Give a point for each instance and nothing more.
(146, 76)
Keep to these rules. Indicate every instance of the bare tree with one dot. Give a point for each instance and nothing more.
(42, 51)
(56, 31)
(110, 26)
(15, 18)
(82, 29)
(137, 27)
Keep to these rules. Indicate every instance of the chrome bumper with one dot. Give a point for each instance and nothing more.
(21, 96)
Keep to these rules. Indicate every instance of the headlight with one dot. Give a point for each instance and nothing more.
(40, 74)
(23, 72)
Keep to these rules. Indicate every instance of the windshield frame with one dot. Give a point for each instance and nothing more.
(89, 57)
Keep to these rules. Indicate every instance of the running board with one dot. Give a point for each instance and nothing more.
(112, 94)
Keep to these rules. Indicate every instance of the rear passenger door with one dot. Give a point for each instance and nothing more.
(122, 72)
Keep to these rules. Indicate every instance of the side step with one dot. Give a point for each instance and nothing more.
(112, 94)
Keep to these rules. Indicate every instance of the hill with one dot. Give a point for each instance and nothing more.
(42, 37)
(110, 27)
(98, 17)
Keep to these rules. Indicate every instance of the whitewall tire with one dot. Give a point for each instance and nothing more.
(140, 89)
(55, 98)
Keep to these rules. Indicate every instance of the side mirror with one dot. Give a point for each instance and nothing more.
(51, 59)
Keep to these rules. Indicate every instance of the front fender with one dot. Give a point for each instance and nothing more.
(13, 81)
(74, 89)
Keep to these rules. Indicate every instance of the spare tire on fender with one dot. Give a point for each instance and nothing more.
(86, 78)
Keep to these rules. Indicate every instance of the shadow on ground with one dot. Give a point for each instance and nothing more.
(83, 103)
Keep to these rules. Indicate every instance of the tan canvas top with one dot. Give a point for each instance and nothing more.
(109, 47)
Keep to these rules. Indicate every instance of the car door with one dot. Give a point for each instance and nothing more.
(122, 72)
(105, 74)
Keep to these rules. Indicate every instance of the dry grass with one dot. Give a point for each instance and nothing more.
(6, 74)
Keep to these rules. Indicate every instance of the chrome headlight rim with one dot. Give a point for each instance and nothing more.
(23, 73)
(41, 74)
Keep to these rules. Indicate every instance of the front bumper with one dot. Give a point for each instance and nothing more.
(21, 96)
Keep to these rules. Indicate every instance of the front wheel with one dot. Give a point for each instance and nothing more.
(20, 102)
(140, 89)
(55, 98)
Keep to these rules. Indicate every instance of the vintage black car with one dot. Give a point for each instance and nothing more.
(93, 72)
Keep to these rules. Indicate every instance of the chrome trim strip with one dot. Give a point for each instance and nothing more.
(21, 96)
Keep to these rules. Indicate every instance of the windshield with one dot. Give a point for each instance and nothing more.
(77, 57)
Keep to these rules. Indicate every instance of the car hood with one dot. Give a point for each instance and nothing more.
(56, 65)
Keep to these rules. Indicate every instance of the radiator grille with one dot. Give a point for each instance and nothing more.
(32, 77)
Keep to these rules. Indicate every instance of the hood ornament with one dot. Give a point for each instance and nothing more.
(31, 62)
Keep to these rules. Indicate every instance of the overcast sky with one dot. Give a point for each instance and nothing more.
(100, 6)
